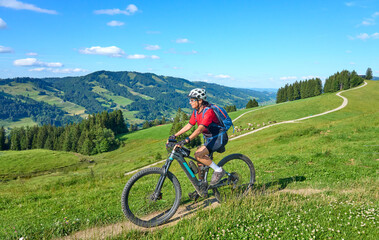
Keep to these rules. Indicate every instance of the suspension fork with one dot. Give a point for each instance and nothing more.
(157, 192)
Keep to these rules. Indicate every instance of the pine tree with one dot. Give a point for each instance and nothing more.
(369, 74)
(15, 140)
(146, 124)
(163, 121)
(249, 104)
(296, 91)
(318, 87)
(255, 103)
(290, 93)
(2, 138)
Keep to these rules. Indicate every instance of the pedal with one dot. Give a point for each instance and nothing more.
(204, 189)
(193, 195)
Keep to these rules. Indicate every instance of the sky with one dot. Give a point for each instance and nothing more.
(240, 43)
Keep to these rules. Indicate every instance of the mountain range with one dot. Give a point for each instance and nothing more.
(141, 96)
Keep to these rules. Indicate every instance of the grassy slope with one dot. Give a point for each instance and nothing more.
(59, 203)
(326, 169)
(29, 90)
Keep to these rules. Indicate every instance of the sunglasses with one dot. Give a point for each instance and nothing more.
(192, 100)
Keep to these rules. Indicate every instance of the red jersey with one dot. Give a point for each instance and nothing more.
(209, 118)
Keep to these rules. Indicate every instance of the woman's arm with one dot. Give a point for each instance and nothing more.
(184, 129)
(197, 132)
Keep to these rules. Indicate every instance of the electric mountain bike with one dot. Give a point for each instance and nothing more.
(152, 196)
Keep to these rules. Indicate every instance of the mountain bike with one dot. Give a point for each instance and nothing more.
(152, 196)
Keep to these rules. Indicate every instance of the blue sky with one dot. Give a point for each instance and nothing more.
(247, 44)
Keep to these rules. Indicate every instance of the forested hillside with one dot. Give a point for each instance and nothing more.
(141, 96)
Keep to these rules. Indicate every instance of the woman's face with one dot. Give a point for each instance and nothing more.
(195, 103)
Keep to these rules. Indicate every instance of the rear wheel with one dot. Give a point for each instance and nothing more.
(142, 207)
(241, 179)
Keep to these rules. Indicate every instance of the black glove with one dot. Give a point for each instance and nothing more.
(172, 137)
(182, 143)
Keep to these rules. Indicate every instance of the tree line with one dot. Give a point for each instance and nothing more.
(299, 90)
(93, 135)
(313, 87)
(342, 81)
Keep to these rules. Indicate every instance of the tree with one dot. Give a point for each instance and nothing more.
(146, 124)
(252, 103)
(290, 93)
(249, 104)
(163, 121)
(296, 91)
(368, 74)
(15, 140)
(2, 138)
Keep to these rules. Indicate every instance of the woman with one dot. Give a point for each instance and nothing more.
(215, 137)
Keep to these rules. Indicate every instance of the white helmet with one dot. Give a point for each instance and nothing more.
(198, 93)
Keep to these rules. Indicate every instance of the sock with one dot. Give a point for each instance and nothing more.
(215, 167)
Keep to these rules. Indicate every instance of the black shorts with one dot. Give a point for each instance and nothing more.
(216, 143)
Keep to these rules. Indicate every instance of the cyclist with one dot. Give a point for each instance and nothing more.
(215, 138)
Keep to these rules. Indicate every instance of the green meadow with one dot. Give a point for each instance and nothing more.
(316, 179)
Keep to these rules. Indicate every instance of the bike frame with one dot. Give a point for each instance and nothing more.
(190, 174)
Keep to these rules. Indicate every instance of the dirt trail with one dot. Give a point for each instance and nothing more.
(184, 211)
(188, 209)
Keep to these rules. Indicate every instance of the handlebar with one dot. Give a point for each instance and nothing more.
(172, 144)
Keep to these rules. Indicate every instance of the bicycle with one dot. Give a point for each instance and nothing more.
(152, 196)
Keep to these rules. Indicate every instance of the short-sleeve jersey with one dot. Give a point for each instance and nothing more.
(209, 121)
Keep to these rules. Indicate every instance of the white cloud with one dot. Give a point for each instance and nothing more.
(33, 62)
(182, 40)
(352, 63)
(152, 47)
(153, 32)
(375, 14)
(3, 24)
(365, 36)
(136, 56)
(349, 4)
(141, 56)
(112, 51)
(37, 69)
(5, 49)
(173, 51)
(14, 4)
(309, 77)
(115, 23)
(368, 22)
(222, 76)
(31, 54)
(62, 70)
(219, 76)
(130, 10)
(288, 78)
(348, 51)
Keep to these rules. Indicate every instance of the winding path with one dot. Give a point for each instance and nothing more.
(189, 208)
(344, 104)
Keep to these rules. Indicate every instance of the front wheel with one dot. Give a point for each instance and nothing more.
(142, 207)
(241, 179)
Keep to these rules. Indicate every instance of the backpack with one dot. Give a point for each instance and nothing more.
(222, 116)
